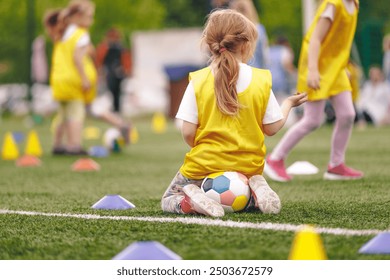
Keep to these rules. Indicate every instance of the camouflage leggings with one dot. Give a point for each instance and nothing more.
(173, 196)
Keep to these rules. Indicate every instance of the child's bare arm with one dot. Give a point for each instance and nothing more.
(288, 103)
(319, 34)
(188, 131)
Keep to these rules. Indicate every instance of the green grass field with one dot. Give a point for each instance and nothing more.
(142, 172)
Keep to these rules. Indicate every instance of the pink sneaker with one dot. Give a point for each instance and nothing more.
(342, 172)
(276, 170)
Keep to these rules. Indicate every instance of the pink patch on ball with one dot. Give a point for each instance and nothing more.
(227, 198)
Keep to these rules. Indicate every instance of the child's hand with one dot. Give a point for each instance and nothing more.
(86, 85)
(313, 79)
(297, 99)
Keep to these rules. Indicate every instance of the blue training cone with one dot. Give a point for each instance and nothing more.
(113, 202)
(18, 136)
(98, 151)
(380, 244)
(147, 250)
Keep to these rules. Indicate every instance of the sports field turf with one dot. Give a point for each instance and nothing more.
(141, 174)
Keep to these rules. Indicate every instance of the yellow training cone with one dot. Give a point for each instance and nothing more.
(91, 133)
(134, 135)
(159, 123)
(307, 245)
(33, 146)
(10, 150)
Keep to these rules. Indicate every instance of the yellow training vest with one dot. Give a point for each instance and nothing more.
(334, 53)
(65, 80)
(226, 143)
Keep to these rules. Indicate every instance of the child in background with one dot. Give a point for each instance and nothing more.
(80, 17)
(227, 110)
(386, 57)
(260, 57)
(282, 68)
(113, 62)
(73, 52)
(72, 75)
(374, 103)
(322, 74)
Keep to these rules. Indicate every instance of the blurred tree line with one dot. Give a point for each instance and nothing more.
(21, 21)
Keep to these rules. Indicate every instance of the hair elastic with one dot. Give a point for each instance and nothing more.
(221, 50)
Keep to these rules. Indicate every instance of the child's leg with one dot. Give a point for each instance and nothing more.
(113, 119)
(75, 116)
(265, 198)
(59, 131)
(173, 196)
(313, 117)
(184, 196)
(345, 116)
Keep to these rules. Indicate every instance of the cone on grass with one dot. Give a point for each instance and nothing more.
(85, 164)
(33, 146)
(9, 150)
(147, 250)
(113, 202)
(28, 161)
(91, 133)
(18, 136)
(379, 245)
(159, 123)
(307, 245)
(98, 151)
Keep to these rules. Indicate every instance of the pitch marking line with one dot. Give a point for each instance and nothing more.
(200, 221)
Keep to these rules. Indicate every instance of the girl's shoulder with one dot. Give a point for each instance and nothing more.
(260, 71)
(203, 72)
(343, 4)
(73, 30)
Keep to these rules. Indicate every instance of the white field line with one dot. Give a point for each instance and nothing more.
(200, 221)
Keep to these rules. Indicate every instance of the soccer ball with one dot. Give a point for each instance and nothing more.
(229, 188)
(112, 139)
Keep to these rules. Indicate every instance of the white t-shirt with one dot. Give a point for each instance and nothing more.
(188, 110)
(84, 40)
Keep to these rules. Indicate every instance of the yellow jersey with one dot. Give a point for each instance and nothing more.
(334, 53)
(228, 143)
(65, 79)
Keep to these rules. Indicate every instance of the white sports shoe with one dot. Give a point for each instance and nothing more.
(201, 204)
(267, 200)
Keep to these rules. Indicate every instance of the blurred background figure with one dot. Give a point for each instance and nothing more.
(114, 64)
(325, 52)
(386, 57)
(284, 74)
(219, 4)
(281, 64)
(39, 71)
(373, 105)
(73, 74)
(261, 56)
